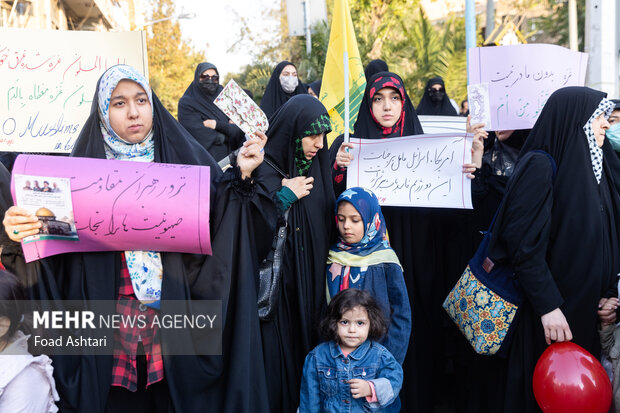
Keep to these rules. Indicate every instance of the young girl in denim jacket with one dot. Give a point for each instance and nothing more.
(363, 259)
(351, 372)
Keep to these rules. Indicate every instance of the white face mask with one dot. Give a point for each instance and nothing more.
(289, 83)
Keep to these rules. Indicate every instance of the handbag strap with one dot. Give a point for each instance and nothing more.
(554, 171)
(280, 233)
(276, 168)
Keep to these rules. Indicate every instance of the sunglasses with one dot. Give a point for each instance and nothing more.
(214, 77)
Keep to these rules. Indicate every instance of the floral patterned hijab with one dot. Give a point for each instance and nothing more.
(145, 267)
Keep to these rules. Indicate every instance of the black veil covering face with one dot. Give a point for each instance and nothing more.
(436, 103)
(196, 105)
(293, 332)
(275, 96)
(230, 383)
(374, 67)
(560, 235)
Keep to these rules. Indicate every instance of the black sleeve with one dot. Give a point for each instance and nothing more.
(522, 229)
(250, 199)
(339, 175)
(192, 121)
(479, 186)
(234, 134)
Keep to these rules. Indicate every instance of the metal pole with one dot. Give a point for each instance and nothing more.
(345, 57)
(490, 18)
(572, 25)
(307, 27)
(470, 28)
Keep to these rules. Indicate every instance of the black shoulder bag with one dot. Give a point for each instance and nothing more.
(270, 274)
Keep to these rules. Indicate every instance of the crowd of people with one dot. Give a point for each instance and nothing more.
(356, 322)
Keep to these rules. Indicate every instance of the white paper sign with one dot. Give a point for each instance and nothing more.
(521, 78)
(48, 79)
(415, 171)
(443, 124)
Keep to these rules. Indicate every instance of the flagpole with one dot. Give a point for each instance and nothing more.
(345, 56)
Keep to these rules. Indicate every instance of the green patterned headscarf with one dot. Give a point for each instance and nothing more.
(321, 125)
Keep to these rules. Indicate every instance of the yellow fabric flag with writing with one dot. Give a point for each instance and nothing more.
(342, 40)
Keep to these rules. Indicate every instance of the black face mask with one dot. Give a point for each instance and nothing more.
(436, 95)
(209, 86)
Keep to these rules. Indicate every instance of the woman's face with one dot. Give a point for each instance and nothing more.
(311, 145)
(599, 126)
(210, 73)
(289, 70)
(131, 116)
(614, 117)
(387, 106)
(502, 135)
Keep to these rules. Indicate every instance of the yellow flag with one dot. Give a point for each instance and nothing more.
(342, 42)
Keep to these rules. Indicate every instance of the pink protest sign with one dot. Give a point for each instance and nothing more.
(121, 205)
(521, 78)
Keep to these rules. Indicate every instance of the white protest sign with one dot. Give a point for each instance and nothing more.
(48, 79)
(415, 171)
(521, 78)
(443, 124)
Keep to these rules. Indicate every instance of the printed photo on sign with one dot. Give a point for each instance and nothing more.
(49, 198)
(479, 106)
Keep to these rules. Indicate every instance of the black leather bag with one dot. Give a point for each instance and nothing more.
(270, 274)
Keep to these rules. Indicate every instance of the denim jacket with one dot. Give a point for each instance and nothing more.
(324, 386)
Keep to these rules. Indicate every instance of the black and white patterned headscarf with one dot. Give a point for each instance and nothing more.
(596, 154)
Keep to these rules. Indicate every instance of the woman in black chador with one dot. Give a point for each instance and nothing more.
(296, 174)
(128, 122)
(203, 119)
(283, 85)
(561, 235)
(435, 100)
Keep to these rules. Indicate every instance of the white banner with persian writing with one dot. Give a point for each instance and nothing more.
(519, 79)
(414, 171)
(48, 79)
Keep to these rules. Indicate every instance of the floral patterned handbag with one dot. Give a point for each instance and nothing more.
(485, 301)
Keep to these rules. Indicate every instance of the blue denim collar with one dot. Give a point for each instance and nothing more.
(356, 354)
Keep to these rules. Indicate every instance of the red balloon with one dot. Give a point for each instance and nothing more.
(568, 379)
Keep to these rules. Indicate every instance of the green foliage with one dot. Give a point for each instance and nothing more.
(555, 24)
(253, 77)
(396, 31)
(172, 61)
